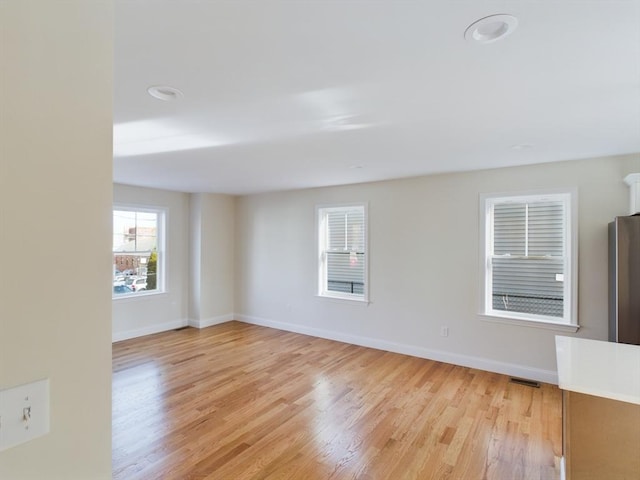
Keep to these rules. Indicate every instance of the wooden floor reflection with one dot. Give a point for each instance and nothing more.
(237, 401)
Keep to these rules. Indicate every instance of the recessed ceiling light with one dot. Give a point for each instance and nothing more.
(491, 28)
(166, 93)
(356, 167)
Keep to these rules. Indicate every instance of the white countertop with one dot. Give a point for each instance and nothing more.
(604, 369)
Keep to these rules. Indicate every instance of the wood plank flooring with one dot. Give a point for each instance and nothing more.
(238, 401)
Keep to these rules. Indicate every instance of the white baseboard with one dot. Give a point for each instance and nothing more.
(151, 329)
(208, 322)
(163, 327)
(521, 371)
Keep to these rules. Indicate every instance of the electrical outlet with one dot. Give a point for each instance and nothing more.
(444, 331)
(24, 413)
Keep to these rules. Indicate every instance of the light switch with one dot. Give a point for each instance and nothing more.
(24, 413)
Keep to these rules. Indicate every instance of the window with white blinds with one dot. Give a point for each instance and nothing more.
(528, 257)
(343, 251)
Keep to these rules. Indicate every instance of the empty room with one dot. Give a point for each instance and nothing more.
(320, 240)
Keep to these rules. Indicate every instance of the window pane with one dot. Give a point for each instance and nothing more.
(546, 229)
(509, 234)
(528, 257)
(135, 251)
(336, 223)
(345, 272)
(355, 230)
(123, 223)
(528, 286)
(346, 230)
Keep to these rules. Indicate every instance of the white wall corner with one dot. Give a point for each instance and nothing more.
(511, 369)
(208, 322)
(150, 330)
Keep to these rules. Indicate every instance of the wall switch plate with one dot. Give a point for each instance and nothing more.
(444, 331)
(24, 413)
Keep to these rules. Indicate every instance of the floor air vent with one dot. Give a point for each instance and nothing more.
(525, 382)
(179, 328)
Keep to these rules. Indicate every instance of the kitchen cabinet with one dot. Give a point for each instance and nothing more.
(601, 409)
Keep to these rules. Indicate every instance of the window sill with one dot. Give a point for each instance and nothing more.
(133, 296)
(342, 299)
(559, 327)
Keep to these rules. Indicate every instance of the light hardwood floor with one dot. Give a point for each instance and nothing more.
(237, 401)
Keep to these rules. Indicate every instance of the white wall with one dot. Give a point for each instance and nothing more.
(424, 264)
(146, 314)
(212, 259)
(199, 264)
(55, 223)
(255, 256)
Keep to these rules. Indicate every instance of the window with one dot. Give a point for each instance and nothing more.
(529, 257)
(137, 252)
(343, 252)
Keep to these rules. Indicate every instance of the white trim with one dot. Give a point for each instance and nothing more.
(149, 330)
(523, 322)
(208, 322)
(347, 299)
(512, 369)
(164, 327)
(138, 295)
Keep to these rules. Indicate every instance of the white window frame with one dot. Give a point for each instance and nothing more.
(569, 321)
(162, 214)
(321, 236)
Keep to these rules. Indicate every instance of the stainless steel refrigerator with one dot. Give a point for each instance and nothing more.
(624, 280)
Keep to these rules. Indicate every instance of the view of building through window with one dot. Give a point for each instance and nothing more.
(135, 251)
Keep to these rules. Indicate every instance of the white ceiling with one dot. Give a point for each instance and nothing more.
(294, 94)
